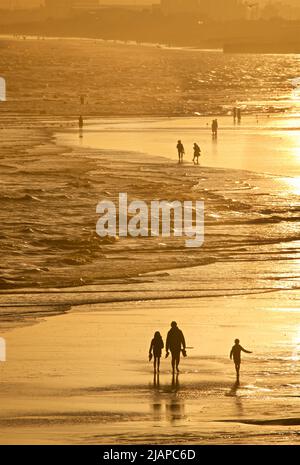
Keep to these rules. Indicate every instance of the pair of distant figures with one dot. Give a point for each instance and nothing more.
(181, 152)
(175, 344)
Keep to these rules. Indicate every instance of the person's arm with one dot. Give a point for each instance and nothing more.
(246, 351)
(151, 347)
(231, 353)
(168, 343)
(183, 341)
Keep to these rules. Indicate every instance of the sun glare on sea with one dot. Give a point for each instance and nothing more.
(296, 351)
(293, 184)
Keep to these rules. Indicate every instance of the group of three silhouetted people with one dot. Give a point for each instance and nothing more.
(175, 344)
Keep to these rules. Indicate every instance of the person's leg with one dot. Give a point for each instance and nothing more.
(177, 362)
(173, 362)
(154, 364)
(237, 369)
(158, 364)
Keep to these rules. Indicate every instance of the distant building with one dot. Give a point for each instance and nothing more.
(85, 4)
(224, 10)
(211, 9)
(58, 8)
(172, 7)
(64, 8)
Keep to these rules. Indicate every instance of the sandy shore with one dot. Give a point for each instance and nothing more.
(84, 377)
(78, 313)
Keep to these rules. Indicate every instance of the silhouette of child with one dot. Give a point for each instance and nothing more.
(156, 347)
(197, 153)
(236, 355)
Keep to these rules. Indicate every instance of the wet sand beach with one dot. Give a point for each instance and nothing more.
(84, 377)
(78, 313)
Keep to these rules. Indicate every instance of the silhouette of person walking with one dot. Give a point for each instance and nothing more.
(214, 128)
(175, 343)
(239, 115)
(234, 113)
(180, 149)
(197, 153)
(156, 347)
(80, 124)
(235, 354)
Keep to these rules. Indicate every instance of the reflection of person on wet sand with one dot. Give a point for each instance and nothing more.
(175, 343)
(235, 354)
(156, 382)
(156, 347)
(175, 404)
(175, 382)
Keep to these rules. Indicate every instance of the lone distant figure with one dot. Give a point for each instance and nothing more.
(235, 354)
(156, 347)
(175, 344)
(234, 112)
(80, 122)
(197, 153)
(180, 149)
(214, 128)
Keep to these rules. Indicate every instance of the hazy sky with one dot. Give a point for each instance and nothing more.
(34, 3)
(30, 3)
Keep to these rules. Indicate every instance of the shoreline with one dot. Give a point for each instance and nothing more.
(64, 382)
(119, 262)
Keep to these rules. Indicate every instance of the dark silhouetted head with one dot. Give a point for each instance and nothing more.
(174, 324)
(237, 341)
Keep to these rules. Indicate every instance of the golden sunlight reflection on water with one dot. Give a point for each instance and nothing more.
(293, 184)
(296, 342)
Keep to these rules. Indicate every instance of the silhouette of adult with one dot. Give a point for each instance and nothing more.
(175, 344)
(197, 153)
(214, 128)
(236, 355)
(180, 149)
